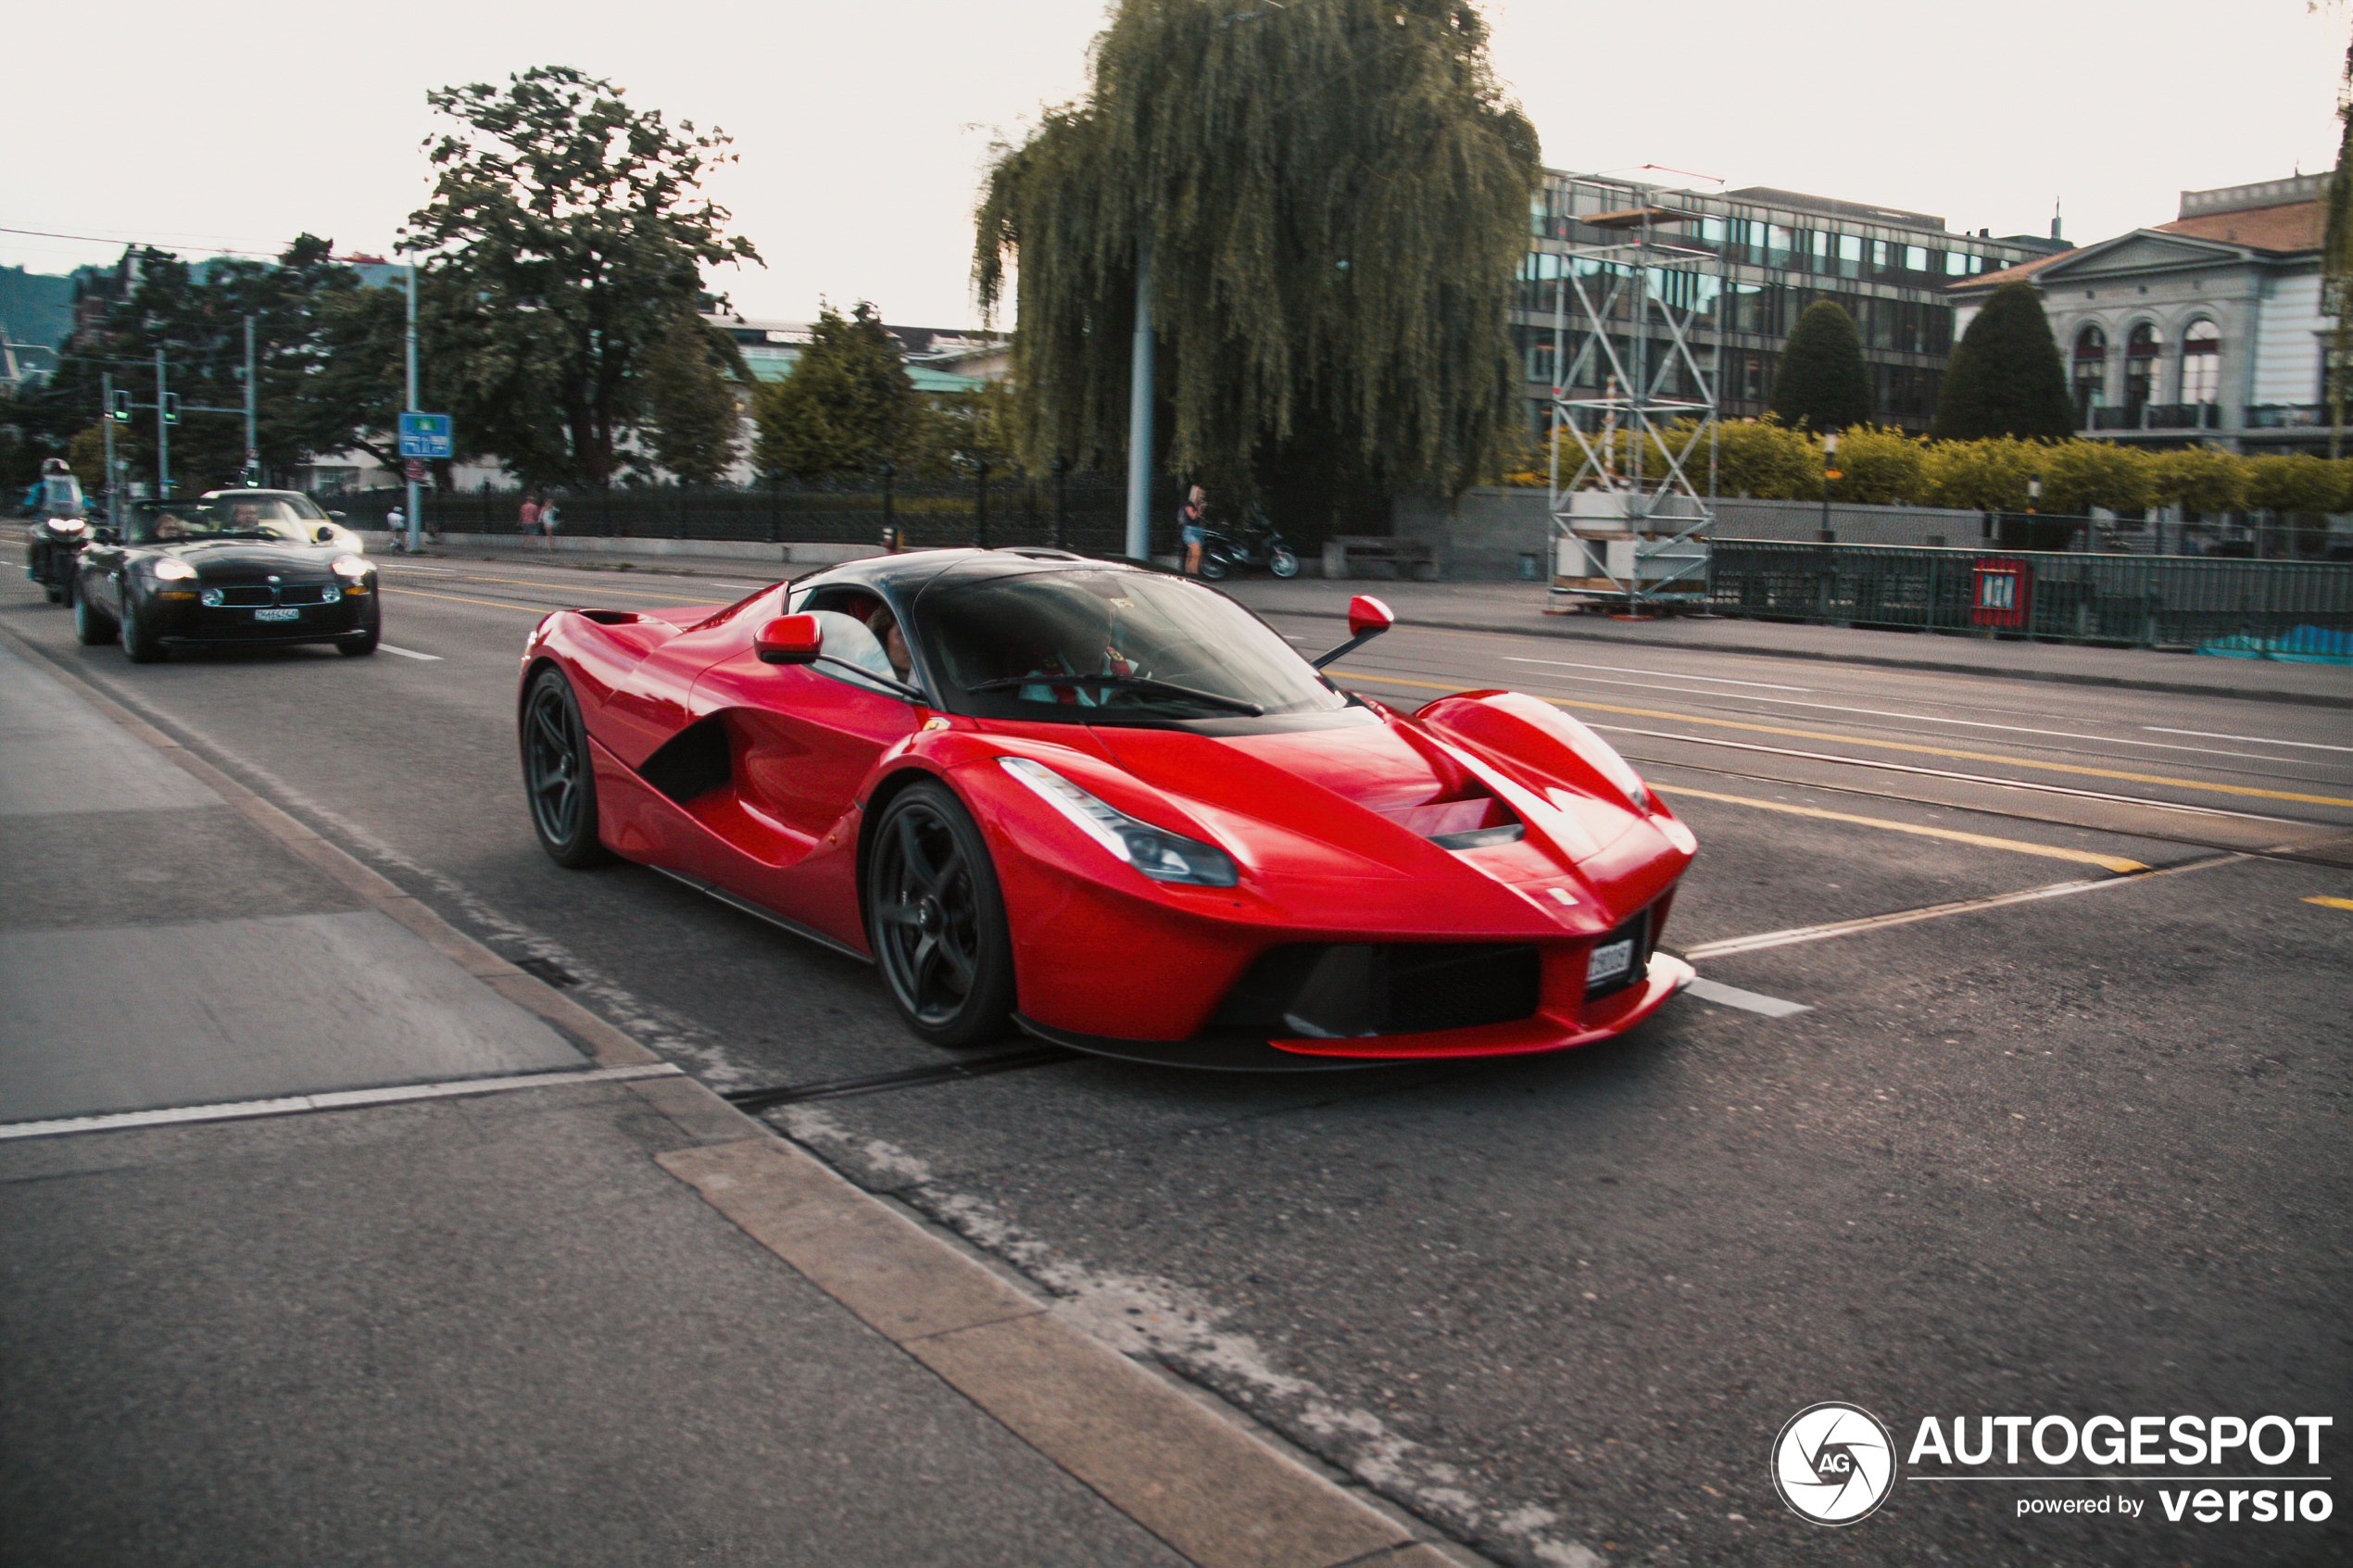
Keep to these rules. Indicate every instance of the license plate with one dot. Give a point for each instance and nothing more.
(279, 613)
(1609, 960)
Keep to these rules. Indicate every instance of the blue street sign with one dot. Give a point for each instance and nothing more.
(425, 436)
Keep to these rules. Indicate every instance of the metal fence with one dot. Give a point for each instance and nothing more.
(1082, 512)
(2157, 601)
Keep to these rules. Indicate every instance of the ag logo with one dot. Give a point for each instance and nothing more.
(1834, 1464)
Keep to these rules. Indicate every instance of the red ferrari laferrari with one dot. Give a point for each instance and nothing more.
(1113, 807)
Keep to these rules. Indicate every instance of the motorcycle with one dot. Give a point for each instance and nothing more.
(52, 544)
(1225, 550)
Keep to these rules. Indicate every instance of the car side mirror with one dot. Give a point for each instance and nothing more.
(790, 639)
(337, 516)
(1367, 619)
(325, 534)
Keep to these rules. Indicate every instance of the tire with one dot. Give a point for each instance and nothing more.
(936, 920)
(560, 774)
(1282, 563)
(1212, 567)
(139, 644)
(363, 641)
(89, 628)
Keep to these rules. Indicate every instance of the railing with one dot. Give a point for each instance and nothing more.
(2166, 601)
(1091, 509)
(2287, 416)
(2159, 416)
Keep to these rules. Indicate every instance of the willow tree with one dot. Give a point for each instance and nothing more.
(1333, 196)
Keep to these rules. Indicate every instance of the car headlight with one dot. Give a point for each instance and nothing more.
(171, 569)
(352, 566)
(1159, 854)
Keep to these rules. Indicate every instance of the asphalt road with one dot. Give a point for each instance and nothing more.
(2074, 1155)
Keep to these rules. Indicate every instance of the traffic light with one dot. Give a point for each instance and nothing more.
(171, 407)
(121, 410)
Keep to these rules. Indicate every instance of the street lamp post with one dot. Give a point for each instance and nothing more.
(1830, 472)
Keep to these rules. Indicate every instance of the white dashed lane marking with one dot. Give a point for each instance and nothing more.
(408, 653)
(1733, 996)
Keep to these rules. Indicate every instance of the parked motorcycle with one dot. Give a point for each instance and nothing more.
(1224, 550)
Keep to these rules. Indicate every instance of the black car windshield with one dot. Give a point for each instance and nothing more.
(266, 517)
(1130, 646)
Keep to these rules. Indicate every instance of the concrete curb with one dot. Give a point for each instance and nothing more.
(1198, 1477)
(1579, 633)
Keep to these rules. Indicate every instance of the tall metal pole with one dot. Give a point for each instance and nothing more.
(1140, 412)
(408, 348)
(163, 436)
(106, 429)
(253, 440)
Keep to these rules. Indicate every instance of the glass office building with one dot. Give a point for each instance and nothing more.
(1776, 252)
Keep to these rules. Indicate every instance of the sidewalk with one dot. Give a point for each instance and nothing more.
(469, 1276)
(1520, 608)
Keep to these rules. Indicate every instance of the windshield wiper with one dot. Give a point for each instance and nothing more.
(1125, 683)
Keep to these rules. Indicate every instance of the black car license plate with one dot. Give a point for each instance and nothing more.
(279, 613)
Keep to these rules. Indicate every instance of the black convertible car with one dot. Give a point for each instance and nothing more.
(223, 571)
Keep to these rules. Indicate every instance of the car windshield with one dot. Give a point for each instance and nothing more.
(267, 516)
(1127, 647)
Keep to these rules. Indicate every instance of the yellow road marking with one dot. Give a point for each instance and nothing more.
(2117, 863)
(2327, 903)
(535, 609)
(621, 593)
(1898, 745)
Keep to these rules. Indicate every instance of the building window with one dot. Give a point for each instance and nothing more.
(2142, 349)
(1914, 259)
(2091, 374)
(2202, 363)
(1850, 256)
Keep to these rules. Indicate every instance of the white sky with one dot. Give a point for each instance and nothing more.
(863, 127)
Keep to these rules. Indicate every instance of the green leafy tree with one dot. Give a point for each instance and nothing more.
(1334, 199)
(2078, 475)
(570, 231)
(1822, 382)
(1763, 458)
(1988, 475)
(2292, 482)
(2199, 479)
(953, 434)
(1878, 467)
(694, 418)
(846, 409)
(2006, 379)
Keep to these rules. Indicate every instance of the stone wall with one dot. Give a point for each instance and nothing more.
(1487, 531)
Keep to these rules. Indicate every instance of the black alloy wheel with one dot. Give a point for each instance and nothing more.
(139, 641)
(363, 641)
(1213, 566)
(559, 775)
(937, 919)
(90, 627)
(1282, 562)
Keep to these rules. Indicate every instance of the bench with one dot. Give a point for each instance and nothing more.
(1414, 557)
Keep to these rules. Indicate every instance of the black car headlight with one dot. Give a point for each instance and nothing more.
(1159, 854)
(171, 569)
(355, 571)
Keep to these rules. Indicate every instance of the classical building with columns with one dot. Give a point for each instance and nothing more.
(2207, 329)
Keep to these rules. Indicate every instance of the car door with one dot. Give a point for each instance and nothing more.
(809, 735)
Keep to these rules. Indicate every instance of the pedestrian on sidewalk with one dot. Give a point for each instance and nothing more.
(547, 524)
(527, 519)
(1189, 528)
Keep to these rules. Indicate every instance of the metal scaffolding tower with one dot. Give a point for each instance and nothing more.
(1637, 393)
